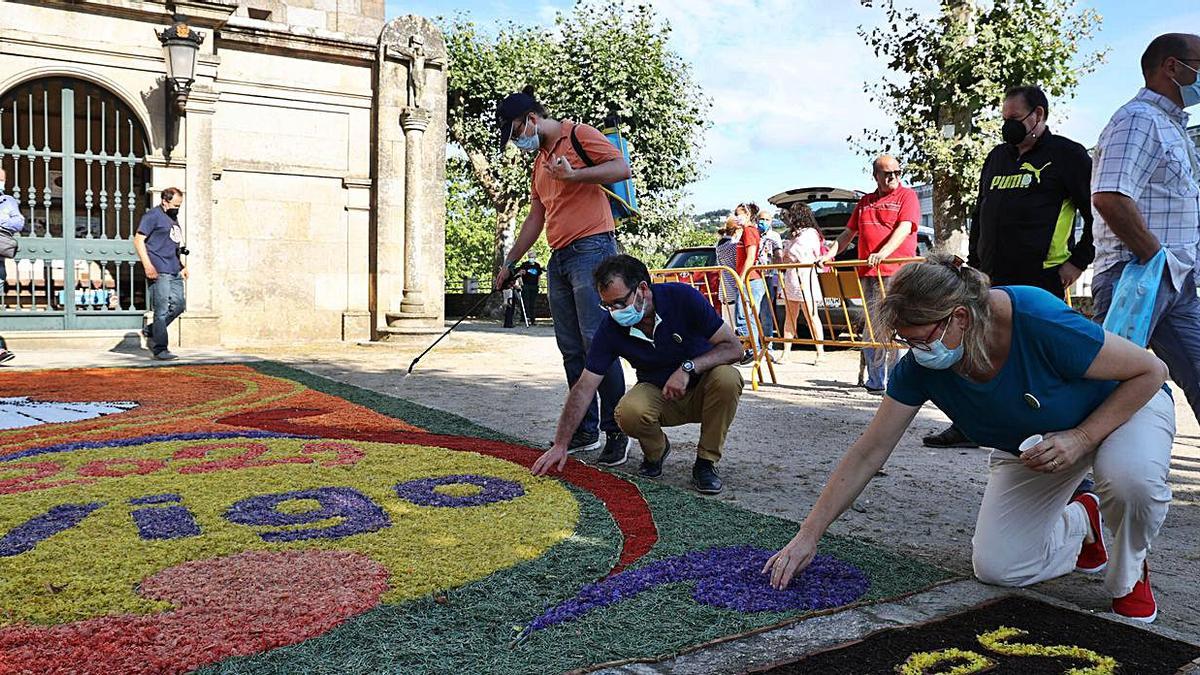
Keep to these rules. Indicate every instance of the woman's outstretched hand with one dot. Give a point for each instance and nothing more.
(790, 560)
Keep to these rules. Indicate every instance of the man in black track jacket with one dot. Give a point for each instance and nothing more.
(1030, 191)
(1023, 232)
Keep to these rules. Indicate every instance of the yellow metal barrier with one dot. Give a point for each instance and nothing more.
(702, 279)
(838, 281)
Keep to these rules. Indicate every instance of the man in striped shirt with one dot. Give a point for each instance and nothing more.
(1146, 198)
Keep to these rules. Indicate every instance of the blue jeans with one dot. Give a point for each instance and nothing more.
(166, 297)
(1175, 327)
(880, 362)
(757, 289)
(766, 307)
(575, 308)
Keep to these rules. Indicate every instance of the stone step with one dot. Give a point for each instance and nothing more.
(32, 340)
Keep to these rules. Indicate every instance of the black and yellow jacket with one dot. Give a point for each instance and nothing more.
(1024, 220)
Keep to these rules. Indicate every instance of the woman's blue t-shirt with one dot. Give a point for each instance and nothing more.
(1040, 387)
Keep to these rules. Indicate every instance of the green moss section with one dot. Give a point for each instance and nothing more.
(473, 631)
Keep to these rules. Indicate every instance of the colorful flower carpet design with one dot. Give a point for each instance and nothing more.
(259, 519)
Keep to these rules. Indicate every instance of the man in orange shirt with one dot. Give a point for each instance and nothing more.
(567, 202)
(885, 222)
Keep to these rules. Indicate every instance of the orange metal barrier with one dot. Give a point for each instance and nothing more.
(704, 279)
(842, 306)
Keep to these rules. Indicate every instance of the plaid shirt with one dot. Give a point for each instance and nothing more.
(1145, 154)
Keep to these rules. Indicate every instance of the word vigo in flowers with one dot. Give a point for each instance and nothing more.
(80, 529)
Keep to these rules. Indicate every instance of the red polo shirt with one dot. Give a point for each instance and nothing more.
(874, 219)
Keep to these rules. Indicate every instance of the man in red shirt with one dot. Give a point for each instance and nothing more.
(885, 223)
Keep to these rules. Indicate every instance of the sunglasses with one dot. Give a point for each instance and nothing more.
(890, 174)
(618, 304)
(925, 344)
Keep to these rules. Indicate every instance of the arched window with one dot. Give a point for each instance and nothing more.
(74, 154)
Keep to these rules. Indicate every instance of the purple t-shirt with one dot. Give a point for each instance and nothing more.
(163, 238)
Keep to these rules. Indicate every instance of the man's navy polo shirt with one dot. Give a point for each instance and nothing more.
(685, 322)
(162, 240)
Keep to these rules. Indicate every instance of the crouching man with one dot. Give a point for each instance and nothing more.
(681, 350)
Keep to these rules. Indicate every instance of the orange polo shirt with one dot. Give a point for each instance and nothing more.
(573, 210)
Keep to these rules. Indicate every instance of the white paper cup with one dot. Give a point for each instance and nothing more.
(1028, 443)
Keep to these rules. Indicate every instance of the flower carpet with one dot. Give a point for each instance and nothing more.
(1013, 635)
(259, 519)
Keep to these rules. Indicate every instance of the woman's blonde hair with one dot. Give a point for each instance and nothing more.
(925, 293)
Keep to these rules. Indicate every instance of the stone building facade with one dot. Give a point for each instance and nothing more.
(310, 149)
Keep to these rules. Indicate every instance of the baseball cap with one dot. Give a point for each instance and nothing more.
(513, 107)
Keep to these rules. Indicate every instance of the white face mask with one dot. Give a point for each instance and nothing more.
(528, 144)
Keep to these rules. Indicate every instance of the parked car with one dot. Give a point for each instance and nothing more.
(708, 283)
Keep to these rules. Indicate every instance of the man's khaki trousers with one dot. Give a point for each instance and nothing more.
(643, 412)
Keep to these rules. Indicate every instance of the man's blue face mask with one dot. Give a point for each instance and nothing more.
(1189, 92)
(629, 315)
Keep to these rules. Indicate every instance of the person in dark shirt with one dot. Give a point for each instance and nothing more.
(1031, 189)
(681, 350)
(157, 242)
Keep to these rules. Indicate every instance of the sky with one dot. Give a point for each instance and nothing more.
(787, 81)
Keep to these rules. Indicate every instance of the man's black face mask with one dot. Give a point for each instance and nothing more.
(1014, 131)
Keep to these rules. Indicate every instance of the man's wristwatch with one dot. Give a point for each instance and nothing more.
(688, 367)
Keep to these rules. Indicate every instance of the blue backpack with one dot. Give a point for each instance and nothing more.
(622, 197)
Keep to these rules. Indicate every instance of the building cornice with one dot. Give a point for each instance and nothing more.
(210, 14)
(312, 43)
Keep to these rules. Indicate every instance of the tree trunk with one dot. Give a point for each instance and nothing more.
(506, 235)
(949, 223)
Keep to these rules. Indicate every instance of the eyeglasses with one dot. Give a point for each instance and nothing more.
(924, 344)
(888, 175)
(618, 304)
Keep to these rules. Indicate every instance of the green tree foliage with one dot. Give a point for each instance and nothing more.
(952, 69)
(601, 56)
(470, 228)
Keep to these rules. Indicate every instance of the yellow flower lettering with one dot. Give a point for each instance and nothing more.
(921, 663)
(997, 641)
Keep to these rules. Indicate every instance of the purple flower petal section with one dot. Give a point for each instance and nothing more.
(728, 577)
(492, 490)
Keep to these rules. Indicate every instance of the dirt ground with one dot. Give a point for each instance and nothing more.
(785, 441)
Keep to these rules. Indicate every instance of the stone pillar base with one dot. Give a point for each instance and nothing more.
(356, 326)
(198, 330)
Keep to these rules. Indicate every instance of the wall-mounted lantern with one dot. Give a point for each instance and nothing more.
(181, 45)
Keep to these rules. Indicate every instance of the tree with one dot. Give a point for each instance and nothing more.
(601, 56)
(953, 70)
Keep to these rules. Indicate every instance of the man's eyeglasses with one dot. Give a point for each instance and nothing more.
(924, 344)
(888, 175)
(618, 304)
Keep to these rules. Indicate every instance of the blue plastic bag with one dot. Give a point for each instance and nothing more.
(1133, 299)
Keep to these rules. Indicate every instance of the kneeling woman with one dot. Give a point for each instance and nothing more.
(1004, 364)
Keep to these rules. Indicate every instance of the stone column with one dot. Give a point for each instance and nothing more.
(356, 320)
(199, 325)
(414, 122)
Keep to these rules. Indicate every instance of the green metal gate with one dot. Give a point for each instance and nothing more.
(74, 155)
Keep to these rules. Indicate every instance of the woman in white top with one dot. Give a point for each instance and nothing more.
(801, 285)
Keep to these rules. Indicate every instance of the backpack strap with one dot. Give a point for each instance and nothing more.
(579, 147)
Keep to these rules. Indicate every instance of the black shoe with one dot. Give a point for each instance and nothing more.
(704, 477)
(6, 356)
(747, 358)
(616, 450)
(583, 441)
(650, 469)
(952, 437)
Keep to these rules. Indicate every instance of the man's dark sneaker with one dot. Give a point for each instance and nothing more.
(583, 441)
(951, 437)
(165, 355)
(616, 450)
(704, 477)
(6, 356)
(747, 358)
(650, 469)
